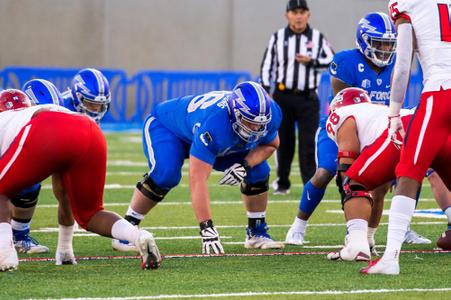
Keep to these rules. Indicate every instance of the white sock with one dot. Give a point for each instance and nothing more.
(6, 235)
(123, 230)
(357, 224)
(20, 226)
(448, 214)
(300, 225)
(370, 236)
(400, 214)
(134, 214)
(358, 231)
(65, 237)
(256, 215)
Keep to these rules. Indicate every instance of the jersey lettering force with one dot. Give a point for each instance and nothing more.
(351, 67)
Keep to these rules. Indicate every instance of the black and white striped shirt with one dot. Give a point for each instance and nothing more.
(280, 66)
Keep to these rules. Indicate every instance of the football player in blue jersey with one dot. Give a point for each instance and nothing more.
(231, 131)
(89, 94)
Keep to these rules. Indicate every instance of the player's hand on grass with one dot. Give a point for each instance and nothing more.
(211, 243)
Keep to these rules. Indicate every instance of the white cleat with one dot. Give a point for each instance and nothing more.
(414, 238)
(350, 253)
(65, 257)
(262, 242)
(294, 237)
(151, 258)
(384, 267)
(8, 259)
(123, 246)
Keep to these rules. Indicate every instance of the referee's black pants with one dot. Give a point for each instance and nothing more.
(303, 110)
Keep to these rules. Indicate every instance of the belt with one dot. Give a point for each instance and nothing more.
(281, 88)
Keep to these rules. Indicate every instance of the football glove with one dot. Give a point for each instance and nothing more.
(395, 126)
(234, 175)
(211, 243)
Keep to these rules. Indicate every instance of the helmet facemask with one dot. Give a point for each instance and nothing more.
(380, 50)
(94, 108)
(249, 130)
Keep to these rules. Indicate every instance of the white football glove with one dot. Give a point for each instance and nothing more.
(233, 175)
(65, 257)
(395, 126)
(210, 239)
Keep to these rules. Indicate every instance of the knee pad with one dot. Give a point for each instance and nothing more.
(252, 189)
(150, 189)
(27, 199)
(355, 190)
(341, 168)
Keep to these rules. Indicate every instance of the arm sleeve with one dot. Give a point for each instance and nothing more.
(401, 71)
(268, 62)
(203, 147)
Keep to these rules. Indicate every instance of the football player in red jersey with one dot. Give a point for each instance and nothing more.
(425, 27)
(359, 129)
(39, 141)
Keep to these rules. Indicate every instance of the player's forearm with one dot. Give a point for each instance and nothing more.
(200, 199)
(401, 72)
(65, 216)
(260, 154)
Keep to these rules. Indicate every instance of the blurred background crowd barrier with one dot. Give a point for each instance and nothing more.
(133, 97)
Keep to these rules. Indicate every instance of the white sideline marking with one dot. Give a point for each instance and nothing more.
(55, 229)
(252, 294)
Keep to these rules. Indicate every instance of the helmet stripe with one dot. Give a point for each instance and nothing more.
(51, 90)
(261, 98)
(99, 79)
(387, 22)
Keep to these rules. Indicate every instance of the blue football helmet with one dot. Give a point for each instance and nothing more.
(376, 38)
(250, 110)
(42, 91)
(91, 93)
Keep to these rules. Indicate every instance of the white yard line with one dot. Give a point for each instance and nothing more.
(275, 293)
(55, 229)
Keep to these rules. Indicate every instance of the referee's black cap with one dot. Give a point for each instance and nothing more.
(294, 4)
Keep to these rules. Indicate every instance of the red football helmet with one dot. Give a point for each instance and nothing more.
(13, 99)
(349, 96)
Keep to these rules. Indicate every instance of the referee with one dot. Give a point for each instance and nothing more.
(293, 61)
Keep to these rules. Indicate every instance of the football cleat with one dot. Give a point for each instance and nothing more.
(414, 238)
(379, 266)
(277, 190)
(65, 257)
(294, 237)
(8, 258)
(258, 238)
(444, 241)
(151, 258)
(351, 253)
(123, 246)
(24, 243)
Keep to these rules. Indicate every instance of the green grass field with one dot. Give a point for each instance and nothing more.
(302, 276)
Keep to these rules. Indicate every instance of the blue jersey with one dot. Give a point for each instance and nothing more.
(204, 122)
(68, 100)
(351, 67)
